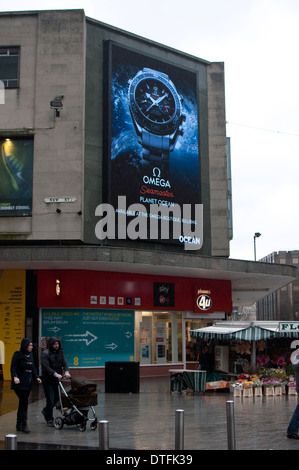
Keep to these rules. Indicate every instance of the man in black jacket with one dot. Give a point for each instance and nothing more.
(54, 366)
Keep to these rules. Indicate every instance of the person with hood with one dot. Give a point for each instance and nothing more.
(293, 427)
(54, 366)
(22, 373)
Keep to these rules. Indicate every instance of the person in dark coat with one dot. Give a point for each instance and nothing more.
(293, 427)
(23, 372)
(54, 366)
(205, 360)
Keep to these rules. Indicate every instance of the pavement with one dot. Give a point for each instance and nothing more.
(146, 420)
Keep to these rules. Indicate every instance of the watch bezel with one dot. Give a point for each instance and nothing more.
(163, 128)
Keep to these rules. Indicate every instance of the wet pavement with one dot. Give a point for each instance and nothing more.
(146, 420)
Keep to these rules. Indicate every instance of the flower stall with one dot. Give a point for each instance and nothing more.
(259, 356)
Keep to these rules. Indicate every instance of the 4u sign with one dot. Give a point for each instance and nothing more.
(204, 302)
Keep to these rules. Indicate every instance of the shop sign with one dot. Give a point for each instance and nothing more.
(212, 296)
(204, 302)
(289, 326)
(163, 294)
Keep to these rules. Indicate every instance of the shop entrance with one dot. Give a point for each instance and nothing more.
(158, 337)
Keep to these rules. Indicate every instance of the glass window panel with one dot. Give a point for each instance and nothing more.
(9, 67)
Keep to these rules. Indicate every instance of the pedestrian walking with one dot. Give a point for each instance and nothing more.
(54, 366)
(293, 427)
(23, 372)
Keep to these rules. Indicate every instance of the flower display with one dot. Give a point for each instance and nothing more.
(273, 377)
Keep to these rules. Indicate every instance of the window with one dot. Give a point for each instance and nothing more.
(9, 66)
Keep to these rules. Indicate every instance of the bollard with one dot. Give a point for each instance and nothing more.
(179, 430)
(104, 435)
(10, 442)
(231, 439)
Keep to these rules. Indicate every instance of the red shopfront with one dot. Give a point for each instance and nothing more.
(107, 316)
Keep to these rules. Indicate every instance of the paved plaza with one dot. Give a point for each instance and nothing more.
(146, 420)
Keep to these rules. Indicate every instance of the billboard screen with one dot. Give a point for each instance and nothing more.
(152, 146)
(16, 174)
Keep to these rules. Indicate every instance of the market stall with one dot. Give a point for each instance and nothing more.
(253, 349)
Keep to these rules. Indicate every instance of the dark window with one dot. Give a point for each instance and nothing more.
(9, 66)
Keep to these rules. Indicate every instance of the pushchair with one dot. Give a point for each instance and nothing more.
(76, 404)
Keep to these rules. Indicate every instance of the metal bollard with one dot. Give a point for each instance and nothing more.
(231, 439)
(179, 430)
(10, 442)
(104, 435)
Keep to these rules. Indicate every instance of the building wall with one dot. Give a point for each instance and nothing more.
(284, 303)
(62, 53)
(51, 63)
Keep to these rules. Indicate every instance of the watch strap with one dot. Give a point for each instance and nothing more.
(155, 146)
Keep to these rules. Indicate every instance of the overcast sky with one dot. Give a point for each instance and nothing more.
(258, 42)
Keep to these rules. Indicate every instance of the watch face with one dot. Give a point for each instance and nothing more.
(155, 103)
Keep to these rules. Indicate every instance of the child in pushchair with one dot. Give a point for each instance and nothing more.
(76, 404)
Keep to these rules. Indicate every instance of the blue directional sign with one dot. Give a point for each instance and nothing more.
(91, 337)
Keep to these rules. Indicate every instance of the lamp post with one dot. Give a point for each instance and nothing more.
(256, 235)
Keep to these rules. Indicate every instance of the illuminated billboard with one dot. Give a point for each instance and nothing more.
(16, 173)
(151, 152)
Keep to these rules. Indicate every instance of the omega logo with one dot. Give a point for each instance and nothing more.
(156, 179)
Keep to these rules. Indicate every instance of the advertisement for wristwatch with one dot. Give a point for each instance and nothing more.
(153, 144)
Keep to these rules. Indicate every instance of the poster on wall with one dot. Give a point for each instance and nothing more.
(91, 337)
(12, 316)
(161, 342)
(16, 177)
(152, 144)
(145, 343)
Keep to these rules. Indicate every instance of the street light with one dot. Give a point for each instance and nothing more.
(256, 235)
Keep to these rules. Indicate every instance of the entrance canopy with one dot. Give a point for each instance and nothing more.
(247, 331)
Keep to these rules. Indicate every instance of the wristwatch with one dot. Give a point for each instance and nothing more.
(156, 111)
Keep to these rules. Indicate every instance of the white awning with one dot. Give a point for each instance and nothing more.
(247, 331)
(215, 332)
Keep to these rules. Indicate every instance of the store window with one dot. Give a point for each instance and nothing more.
(9, 66)
(158, 337)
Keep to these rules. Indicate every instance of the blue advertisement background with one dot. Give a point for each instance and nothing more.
(127, 169)
(91, 337)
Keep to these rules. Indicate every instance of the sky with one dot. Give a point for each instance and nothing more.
(258, 42)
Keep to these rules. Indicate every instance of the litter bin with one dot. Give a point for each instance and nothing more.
(121, 377)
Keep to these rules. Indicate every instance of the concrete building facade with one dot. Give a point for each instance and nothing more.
(282, 304)
(72, 139)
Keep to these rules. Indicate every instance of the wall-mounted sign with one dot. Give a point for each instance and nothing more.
(91, 337)
(212, 296)
(12, 315)
(163, 294)
(16, 175)
(51, 200)
(152, 142)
